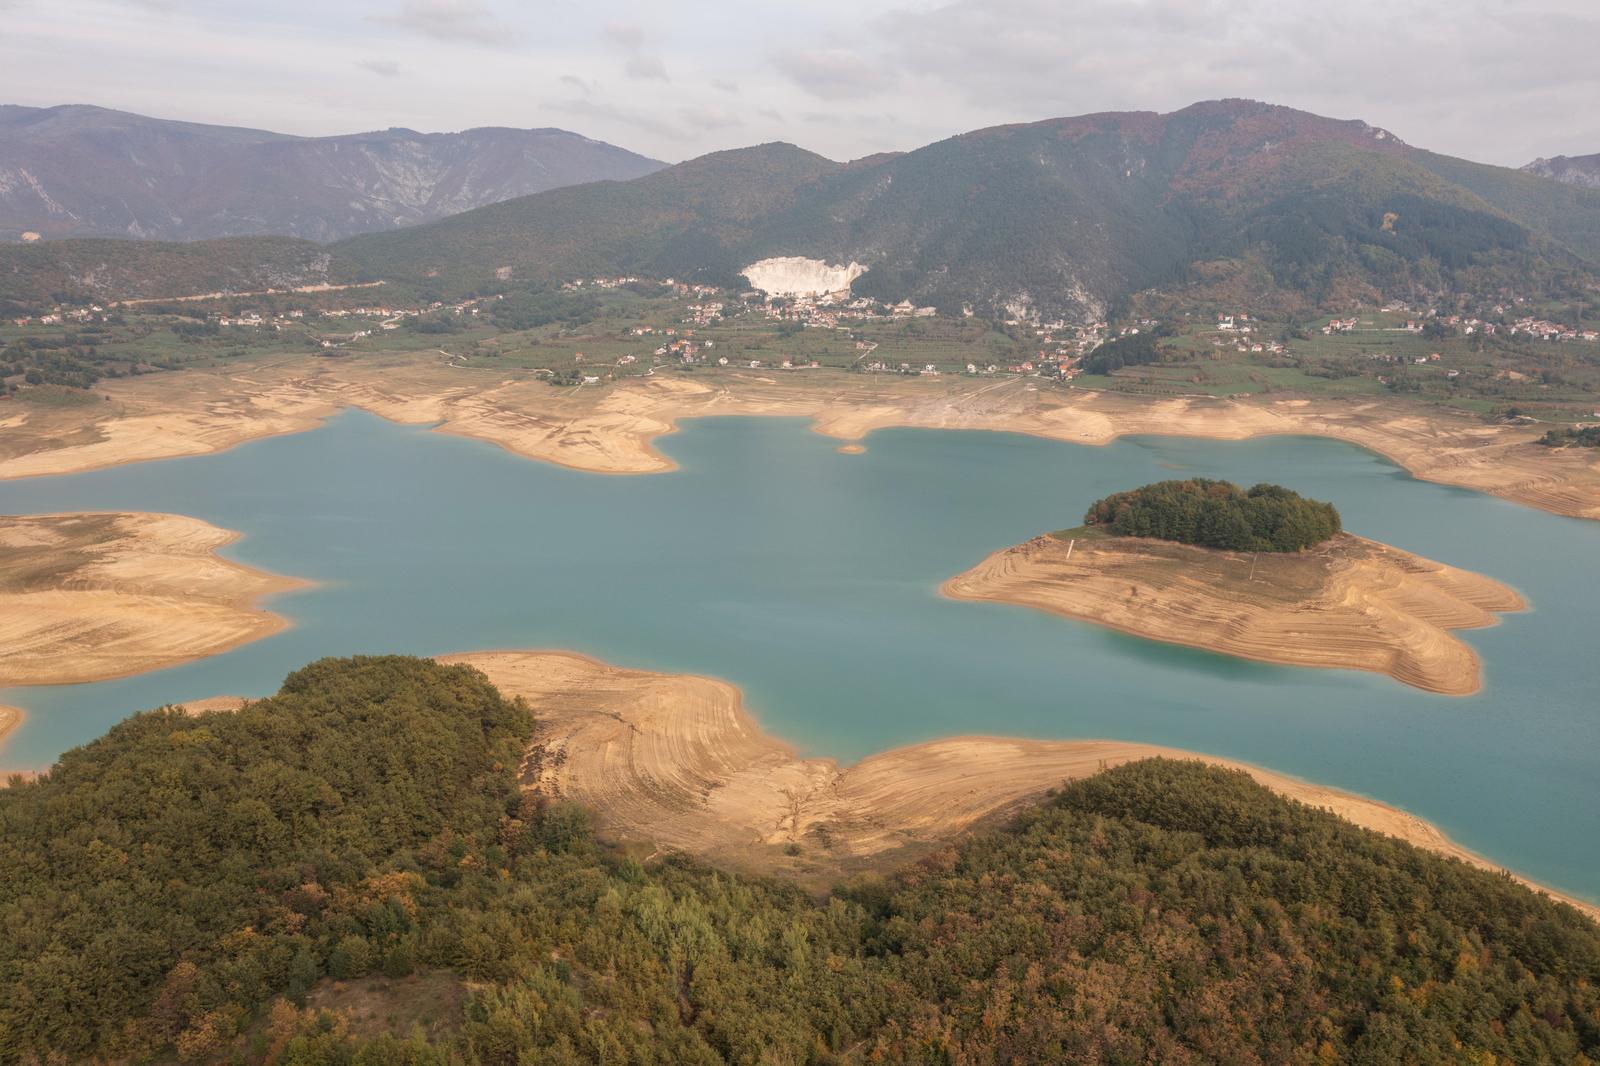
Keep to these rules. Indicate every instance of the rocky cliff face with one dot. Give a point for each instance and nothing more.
(86, 172)
(1581, 170)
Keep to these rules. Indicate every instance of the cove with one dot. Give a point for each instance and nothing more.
(809, 579)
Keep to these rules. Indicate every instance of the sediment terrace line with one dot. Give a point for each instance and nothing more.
(613, 429)
(674, 761)
(92, 597)
(1349, 603)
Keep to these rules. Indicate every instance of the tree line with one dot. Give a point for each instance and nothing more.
(1218, 514)
(182, 887)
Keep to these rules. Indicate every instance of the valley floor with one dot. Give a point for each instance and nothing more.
(612, 428)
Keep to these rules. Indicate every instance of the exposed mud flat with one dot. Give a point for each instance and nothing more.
(674, 762)
(1350, 603)
(90, 597)
(612, 429)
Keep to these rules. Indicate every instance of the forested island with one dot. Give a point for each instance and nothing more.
(1217, 514)
(214, 885)
(1263, 575)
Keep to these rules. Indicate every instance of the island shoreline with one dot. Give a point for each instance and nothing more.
(1361, 606)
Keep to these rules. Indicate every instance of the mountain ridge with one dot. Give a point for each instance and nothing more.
(84, 171)
(1580, 170)
(1062, 218)
(1067, 216)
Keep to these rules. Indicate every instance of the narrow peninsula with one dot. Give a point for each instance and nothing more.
(1263, 574)
(90, 597)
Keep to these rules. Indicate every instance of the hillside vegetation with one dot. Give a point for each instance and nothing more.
(1059, 217)
(686, 221)
(33, 275)
(177, 887)
(1067, 217)
(1217, 514)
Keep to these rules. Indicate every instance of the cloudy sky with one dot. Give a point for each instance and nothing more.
(1501, 81)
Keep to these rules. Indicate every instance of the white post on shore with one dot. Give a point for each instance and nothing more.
(1070, 545)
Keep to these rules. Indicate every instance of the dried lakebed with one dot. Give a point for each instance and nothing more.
(1350, 603)
(809, 580)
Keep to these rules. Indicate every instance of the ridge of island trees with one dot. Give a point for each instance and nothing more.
(1210, 513)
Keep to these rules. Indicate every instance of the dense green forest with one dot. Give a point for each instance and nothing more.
(179, 887)
(1136, 349)
(1217, 514)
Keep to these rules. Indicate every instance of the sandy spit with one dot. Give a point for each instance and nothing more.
(91, 597)
(675, 762)
(1350, 603)
(613, 429)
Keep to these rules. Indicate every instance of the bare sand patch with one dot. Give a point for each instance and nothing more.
(89, 597)
(675, 762)
(212, 704)
(1350, 603)
(613, 428)
(10, 718)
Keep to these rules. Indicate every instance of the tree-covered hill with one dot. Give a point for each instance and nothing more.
(1058, 217)
(685, 221)
(1217, 514)
(176, 888)
(37, 275)
(1065, 217)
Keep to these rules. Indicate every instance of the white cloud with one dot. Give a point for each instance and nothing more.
(645, 68)
(1496, 80)
(710, 118)
(450, 20)
(832, 73)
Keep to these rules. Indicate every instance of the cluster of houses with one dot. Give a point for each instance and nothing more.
(835, 310)
(1542, 329)
(1466, 325)
(598, 283)
(686, 350)
(59, 316)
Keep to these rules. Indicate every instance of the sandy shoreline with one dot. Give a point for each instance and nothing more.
(676, 762)
(1351, 603)
(93, 597)
(614, 429)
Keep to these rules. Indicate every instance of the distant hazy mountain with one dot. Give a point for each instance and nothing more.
(81, 171)
(1228, 201)
(1582, 170)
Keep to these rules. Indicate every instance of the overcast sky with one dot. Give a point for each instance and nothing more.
(1500, 81)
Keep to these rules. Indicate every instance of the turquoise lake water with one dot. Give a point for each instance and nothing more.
(809, 578)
